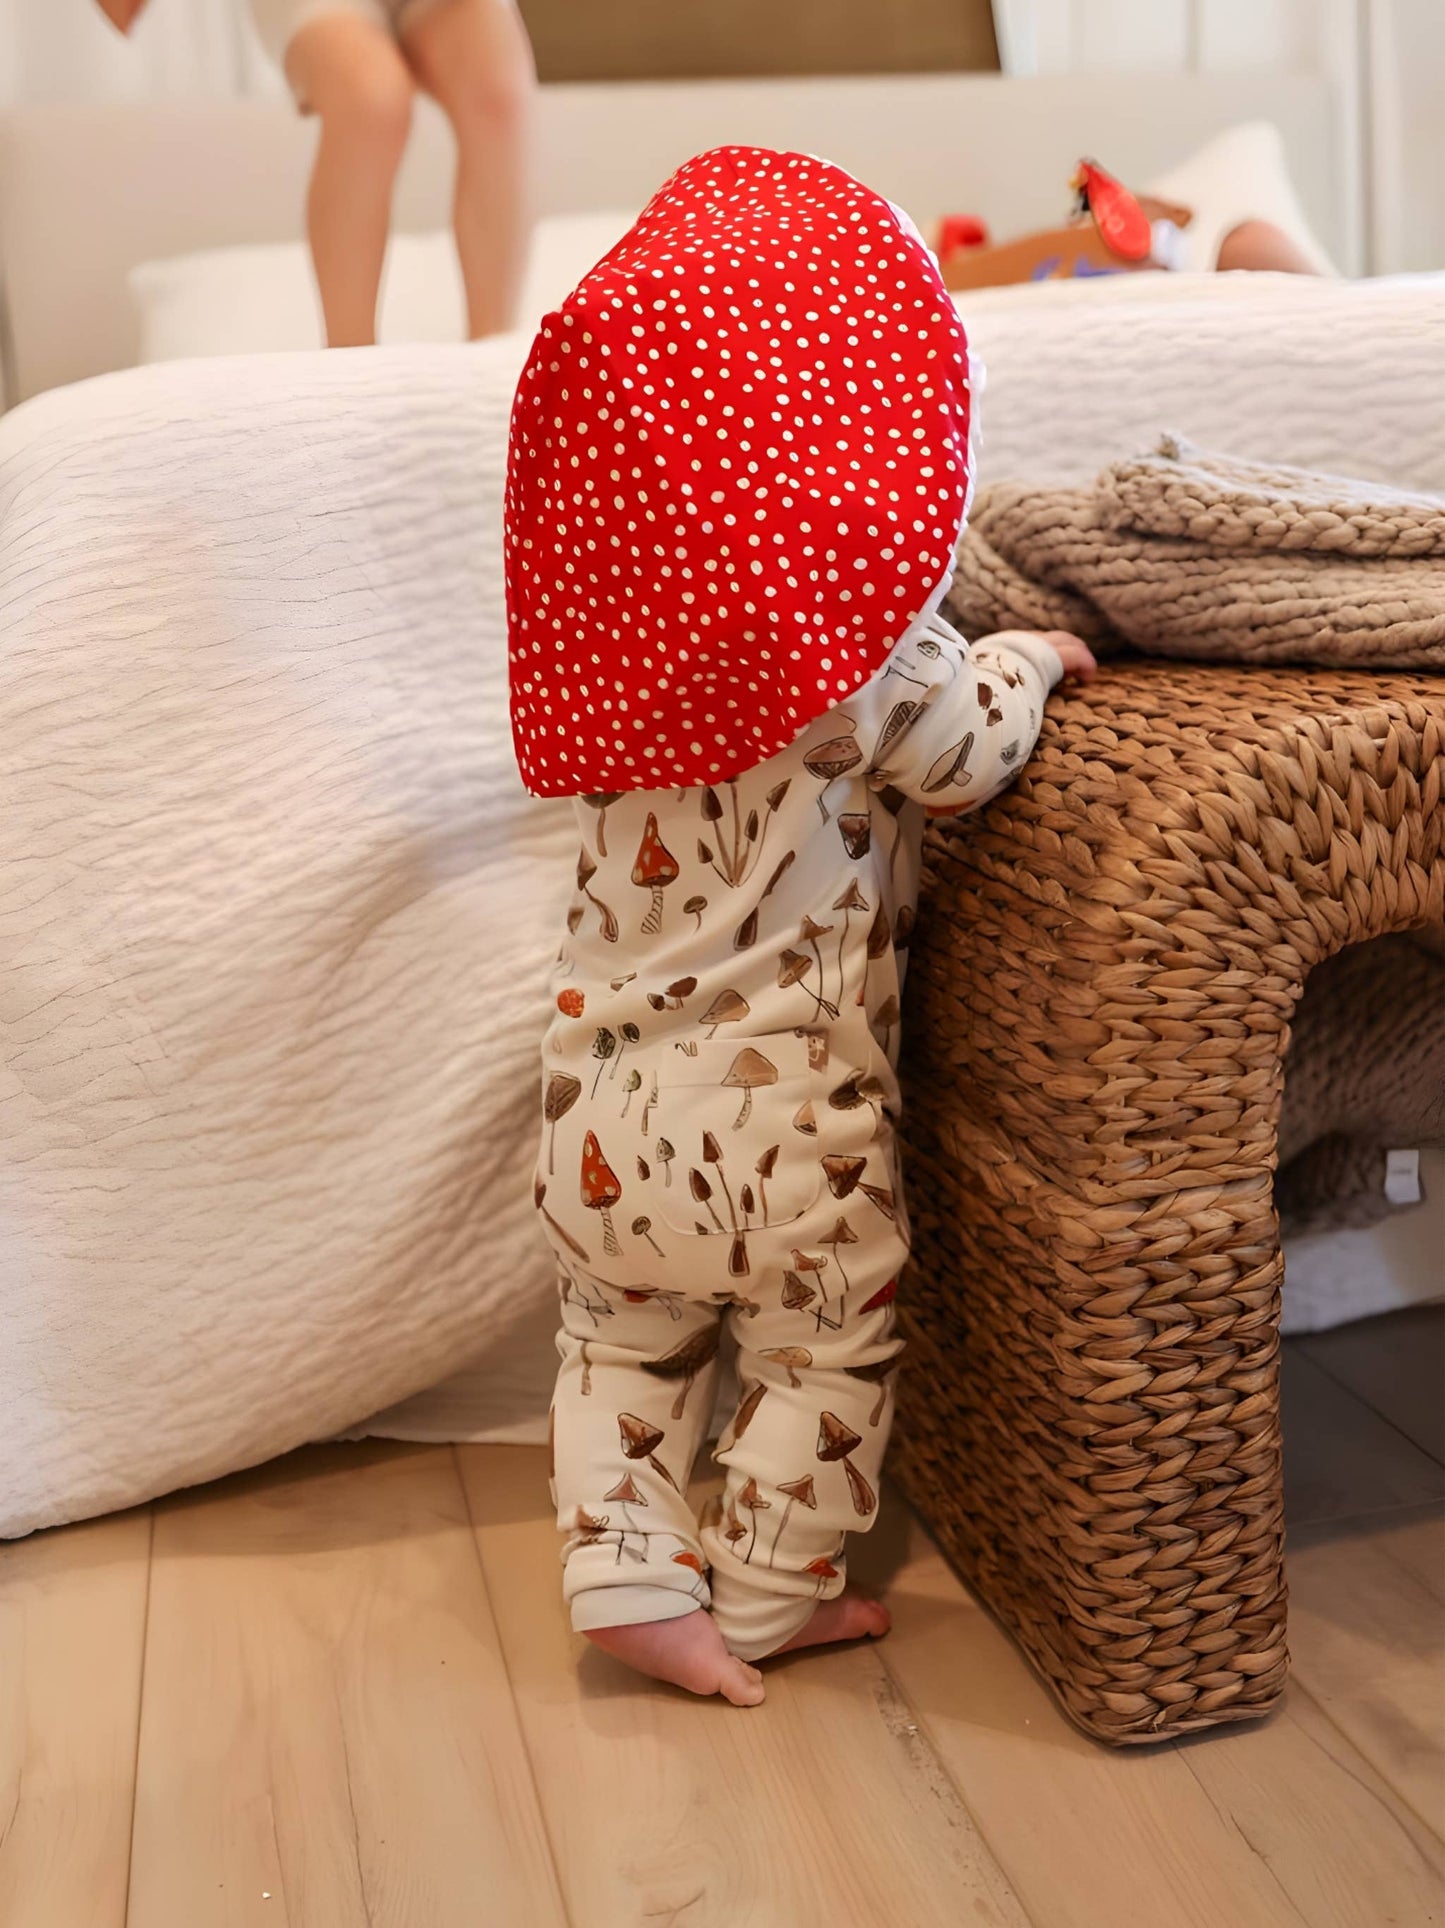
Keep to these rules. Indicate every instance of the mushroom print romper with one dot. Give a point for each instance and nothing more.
(739, 467)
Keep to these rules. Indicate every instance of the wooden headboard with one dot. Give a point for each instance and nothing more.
(87, 192)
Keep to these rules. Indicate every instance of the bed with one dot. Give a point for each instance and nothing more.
(274, 910)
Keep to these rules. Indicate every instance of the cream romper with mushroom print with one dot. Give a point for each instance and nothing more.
(720, 1103)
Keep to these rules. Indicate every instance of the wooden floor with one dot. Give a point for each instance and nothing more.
(341, 1691)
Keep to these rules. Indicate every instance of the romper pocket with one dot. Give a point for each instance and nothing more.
(738, 1119)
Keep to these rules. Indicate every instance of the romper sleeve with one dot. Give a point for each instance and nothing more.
(954, 723)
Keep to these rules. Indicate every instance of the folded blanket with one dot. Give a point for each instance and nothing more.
(1189, 554)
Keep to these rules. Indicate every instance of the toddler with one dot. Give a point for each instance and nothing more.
(739, 468)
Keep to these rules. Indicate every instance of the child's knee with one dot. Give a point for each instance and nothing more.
(371, 109)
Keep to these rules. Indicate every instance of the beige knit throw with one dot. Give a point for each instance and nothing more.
(1184, 553)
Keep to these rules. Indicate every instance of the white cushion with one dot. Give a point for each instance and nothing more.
(1241, 175)
(250, 300)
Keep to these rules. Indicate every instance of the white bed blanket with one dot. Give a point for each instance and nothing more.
(274, 910)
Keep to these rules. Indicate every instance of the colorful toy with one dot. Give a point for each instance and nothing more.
(1111, 232)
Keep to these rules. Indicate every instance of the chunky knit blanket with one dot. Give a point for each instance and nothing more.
(1184, 553)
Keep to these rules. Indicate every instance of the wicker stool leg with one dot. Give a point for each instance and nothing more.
(1099, 1009)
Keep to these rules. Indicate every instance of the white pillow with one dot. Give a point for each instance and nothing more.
(250, 300)
(1241, 175)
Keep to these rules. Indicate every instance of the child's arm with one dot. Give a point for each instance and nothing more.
(959, 722)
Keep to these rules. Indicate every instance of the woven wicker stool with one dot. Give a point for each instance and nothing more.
(1100, 991)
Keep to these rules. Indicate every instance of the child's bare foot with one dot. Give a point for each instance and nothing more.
(689, 1652)
(852, 1616)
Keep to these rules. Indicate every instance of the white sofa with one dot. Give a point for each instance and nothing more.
(274, 910)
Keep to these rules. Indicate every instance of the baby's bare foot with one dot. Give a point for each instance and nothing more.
(689, 1652)
(852, 1616)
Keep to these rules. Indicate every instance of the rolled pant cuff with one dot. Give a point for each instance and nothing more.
(629, 1606)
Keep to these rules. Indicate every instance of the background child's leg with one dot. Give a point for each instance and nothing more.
(633, 1398)
(349, 71)
(473, 57)
(804, 1453)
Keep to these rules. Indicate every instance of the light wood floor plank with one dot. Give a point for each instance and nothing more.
(1368, 1640)
(72, 1634)
(1341, 1459)
(1270, 1824)
(328, 1736)
(1396, 1364)
(825, 1806)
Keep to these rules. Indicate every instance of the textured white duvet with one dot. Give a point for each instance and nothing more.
(274, 910)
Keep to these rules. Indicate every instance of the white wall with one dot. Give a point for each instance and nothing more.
(62, 50)
(1385, 60)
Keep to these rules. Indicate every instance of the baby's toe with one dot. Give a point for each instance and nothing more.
(740, 1683)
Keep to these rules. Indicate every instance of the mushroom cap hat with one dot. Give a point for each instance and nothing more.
(737, 472)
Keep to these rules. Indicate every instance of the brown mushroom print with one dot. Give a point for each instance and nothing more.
(950, 769)
(832, 760)
(843, 1172)
(747, 932)
(875, 1375)
(641, 1441)
(883, 1198)
(750, 1071)
(665, 1156)
(603, 1047)
(562, 1093)
(790, 1358)
(887, 1016)
(702, 1192)
(694, 907)
(835, 1442)
(752, 1501)
(743, 1417)
(687, 1558)
(608, 925)
(798, 1492)
(626, 1493)
(654, 870)
(842, 1234)
(852, 899)
(685, 1362)
(855, 827)
(601, 1190)
(599, 801)
(642, 1228)
(765, 1168)
(728, 1007)
(796, 1294)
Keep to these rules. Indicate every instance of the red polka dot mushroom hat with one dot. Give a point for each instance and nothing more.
(739, 465)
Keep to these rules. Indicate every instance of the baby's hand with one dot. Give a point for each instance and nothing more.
(1073, 652)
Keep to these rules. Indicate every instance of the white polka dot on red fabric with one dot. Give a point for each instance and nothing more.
(676, 560)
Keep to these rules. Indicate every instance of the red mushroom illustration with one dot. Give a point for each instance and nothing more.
(728, 1007)
(799, 1492)
(571, 1002)
(599, 801)
(601, 1190)
(835, 1442)
(750, 1071)
(685, 1362)
(687, 1558)
(823, 1571)
(654, 870)
(752, 1501)
(885, 1295)
(562, 1093)
(641, 1441)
